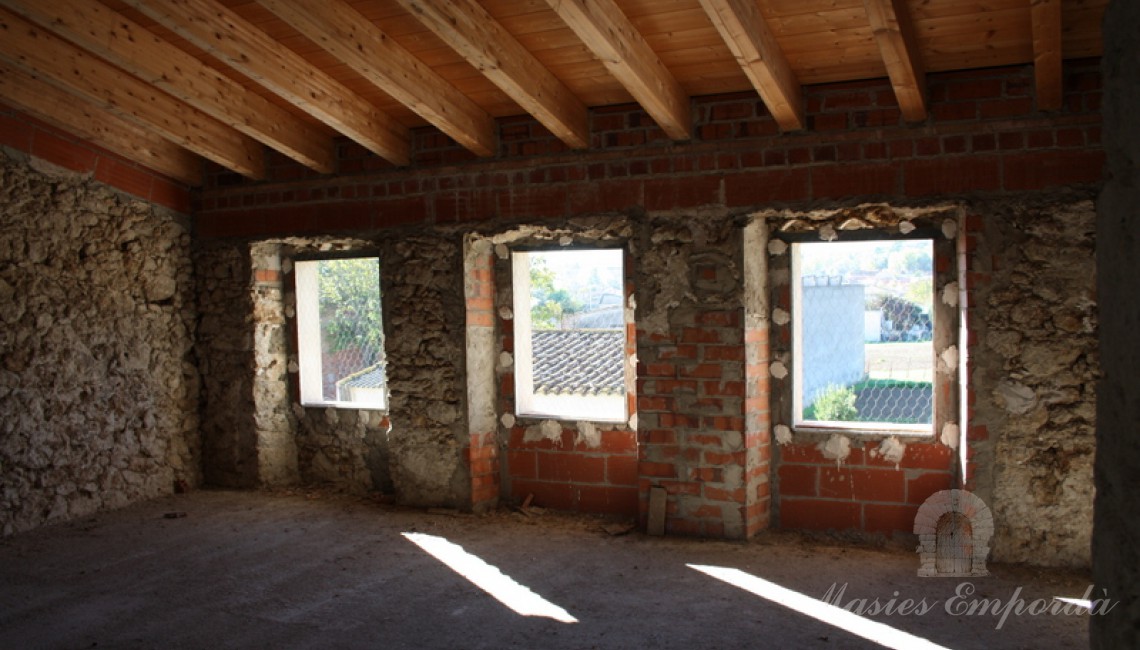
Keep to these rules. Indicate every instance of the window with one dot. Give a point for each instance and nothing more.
(569, 332)
(863, 335)
(340, 339)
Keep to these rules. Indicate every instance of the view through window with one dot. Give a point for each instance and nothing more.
(339, 333)
(569, 328)
(863, 337)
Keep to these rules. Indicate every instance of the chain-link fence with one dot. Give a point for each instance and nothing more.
(352, 338)
(866, 332)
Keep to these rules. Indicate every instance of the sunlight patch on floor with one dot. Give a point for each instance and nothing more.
(489, 578)
(880, 633)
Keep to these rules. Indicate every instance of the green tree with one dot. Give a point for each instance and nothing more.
(548, 303)
(350, 305)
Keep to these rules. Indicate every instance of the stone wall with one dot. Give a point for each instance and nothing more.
(1032, 378)
(257, 433)
(225, 357)
(98, 381)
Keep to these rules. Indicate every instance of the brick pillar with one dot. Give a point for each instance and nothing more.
(691, 384)
(482, 451)
(757, 418)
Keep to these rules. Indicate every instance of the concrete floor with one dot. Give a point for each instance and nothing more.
(262, 570)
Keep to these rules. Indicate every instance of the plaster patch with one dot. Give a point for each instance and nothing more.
(589, 434)
(854, 224)
(633, 422)
(948, 360)
(293, 367)
(565, 240)
(777, 247)
(950, 435)
(950, 228)
(827, 233)
(778, 369)
(906, 227)
(892, 450)
(507, 420)
(287, 266)
(783, 434)
(781, 316)
(1016, 397)
(502, 251)
(950, 294)
(548, 430)
(838, 447)
(506, 313)
(505, 359)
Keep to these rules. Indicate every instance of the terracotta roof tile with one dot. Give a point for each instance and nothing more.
(581, 362)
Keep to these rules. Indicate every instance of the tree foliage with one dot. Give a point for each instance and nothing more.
(548, 303)
(350, 305)
(835, 404)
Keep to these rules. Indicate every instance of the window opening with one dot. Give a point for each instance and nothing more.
(569, 329)
(340, 334)
(863, 339)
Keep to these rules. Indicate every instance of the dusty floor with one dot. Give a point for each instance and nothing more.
(261, 570)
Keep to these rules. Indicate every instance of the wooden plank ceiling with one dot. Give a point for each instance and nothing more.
(168, 83)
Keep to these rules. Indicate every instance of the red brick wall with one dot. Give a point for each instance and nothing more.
(24, 133)
(865, 493)
(571, 475)
(983, 135)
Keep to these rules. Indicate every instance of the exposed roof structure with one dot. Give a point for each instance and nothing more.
(170, 84)
(578, 362)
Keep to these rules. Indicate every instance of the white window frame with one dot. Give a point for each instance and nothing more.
(529, 405)
(869, 427)
(309, 356)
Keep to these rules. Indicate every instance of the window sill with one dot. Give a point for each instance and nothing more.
(863, 433)
(346, 405)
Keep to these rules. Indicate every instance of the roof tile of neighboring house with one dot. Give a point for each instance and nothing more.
(579, 362)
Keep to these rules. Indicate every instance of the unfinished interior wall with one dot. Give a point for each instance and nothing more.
(569, 464)
(861, 480)
(698, 327)
(691, 375)
(257, 432)
(98, 381)
(1033, 370)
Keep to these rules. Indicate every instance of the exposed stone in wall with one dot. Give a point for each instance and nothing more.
(225, 357)
(424, 327)
(1034, 369)
(337, 446)
(273, 418)
(98, 384)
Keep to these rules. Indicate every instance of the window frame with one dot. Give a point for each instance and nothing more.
(945, 332)
(526, 406)
(308, 346)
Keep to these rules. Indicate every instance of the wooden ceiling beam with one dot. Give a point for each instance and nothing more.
(894, 32)
(613, 39)
(747, 35)
(67, 67)
(491, 49)
(1046, 17)
(109, 35)
(90, 122)
(234, 41)
(364, 47)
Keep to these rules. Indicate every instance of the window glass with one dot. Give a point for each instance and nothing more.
(863, 338)
(339, 332)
